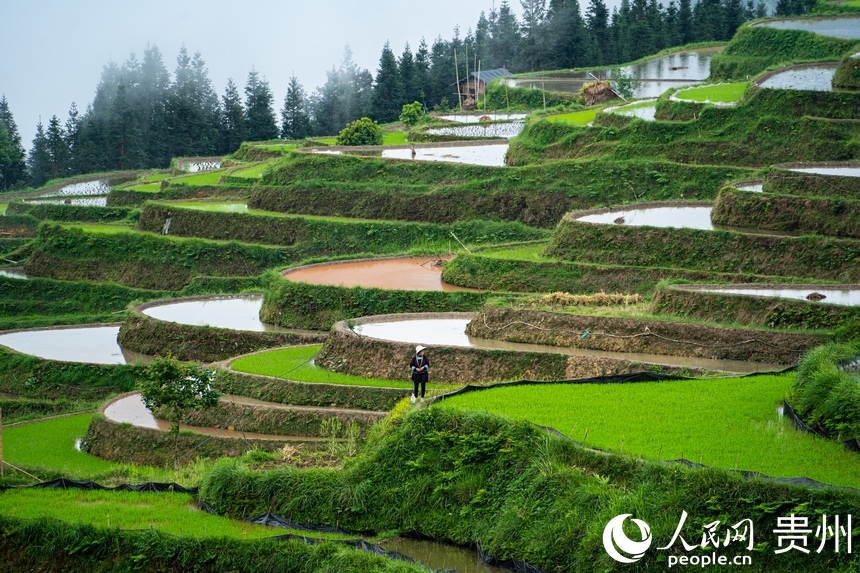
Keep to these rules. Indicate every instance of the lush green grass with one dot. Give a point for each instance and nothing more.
(722, 93)
(172, 513)
(520, 253)
(146, 187)
(104, 229)
(51, 445)
(394, 138)
(729, 423)
(326, 140)
(158, 177)
(277, 147)
(583, 117)
(238, 207)
(3, 208)
(292, 364)
(206, 178)
(253, 172)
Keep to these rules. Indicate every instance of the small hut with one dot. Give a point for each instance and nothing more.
(476, 84)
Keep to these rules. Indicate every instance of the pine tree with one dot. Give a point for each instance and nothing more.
(233, 128)
(125, 149)
(534, 13)
(597, 18)
(72, 134)
(7, 154)
(15, 165)
(571, 44)
(295, 121)
(154, 107)
(259, 113)
(209, 106)
(760, 9)
(406, 68)
(387, 92)
(58, 148)
(38, 161)
(685, 21)
(505, 37)
(422, 73)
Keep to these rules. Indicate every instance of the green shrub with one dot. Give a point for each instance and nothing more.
(826, 393)
(412, 113)
(362, 131)
(848, 74)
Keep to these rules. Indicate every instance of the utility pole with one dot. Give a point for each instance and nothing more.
(457, 76)
(1, 442)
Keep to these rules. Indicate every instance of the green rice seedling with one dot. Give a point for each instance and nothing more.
(253, 172)
(206, 178)
(583, 117)
(720, 93)
(294, 364)
(172, 513)
(727, 423)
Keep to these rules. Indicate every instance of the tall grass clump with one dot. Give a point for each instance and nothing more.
(826, 393)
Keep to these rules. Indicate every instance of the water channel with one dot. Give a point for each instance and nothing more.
(452, 332)
(404, 274)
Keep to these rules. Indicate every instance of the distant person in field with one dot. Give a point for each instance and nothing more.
(166, 227)
(420, 366)
(414, 153)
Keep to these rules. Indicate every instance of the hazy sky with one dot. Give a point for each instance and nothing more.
(52, 51)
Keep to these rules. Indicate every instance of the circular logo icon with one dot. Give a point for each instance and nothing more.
(622, 548)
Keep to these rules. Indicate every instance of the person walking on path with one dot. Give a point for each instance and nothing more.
(420, 366)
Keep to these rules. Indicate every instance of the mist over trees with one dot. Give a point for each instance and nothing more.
(142, 115)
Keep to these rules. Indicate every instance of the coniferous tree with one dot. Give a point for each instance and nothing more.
(7, 155)
(259, 110)
(505, 33)
(208, 104)
(15, 165)
(387, 92)
(760, 9)
(232, 126)
(38, 160)
(442, 75)
(406, 68)
(154, 106)
(184, 115)
(295, 120)
(597, 18)
(422, 73)
(532, 46)
(570, 43)
(58, 148)
(72, 134)
(125, 149)
(685, 21)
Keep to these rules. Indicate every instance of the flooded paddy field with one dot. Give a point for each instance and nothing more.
(91, 344)
(452, 332)
(403, 274)
(236, 313)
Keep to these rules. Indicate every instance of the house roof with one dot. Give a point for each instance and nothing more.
(487, 76)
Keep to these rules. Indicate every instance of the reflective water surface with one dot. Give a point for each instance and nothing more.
(489, 155)
(847, 28)
(452, 332)
(240, 313)
(90, 344)
(811, 79)
(671, 217)
(832, 294)
(402, 274)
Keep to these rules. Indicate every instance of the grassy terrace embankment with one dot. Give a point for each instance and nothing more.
(758, 311)
(835, 217)
(526, 269)
(773, 126)
(536, 195)
(473, 477)
(324, 236)
(715, 251)
(755, 49)
(783, 181)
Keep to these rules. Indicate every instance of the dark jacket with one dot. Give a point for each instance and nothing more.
(418, 362)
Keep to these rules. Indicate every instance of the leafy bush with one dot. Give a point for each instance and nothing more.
(362, 131)
(826, 392)
(412, 113)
